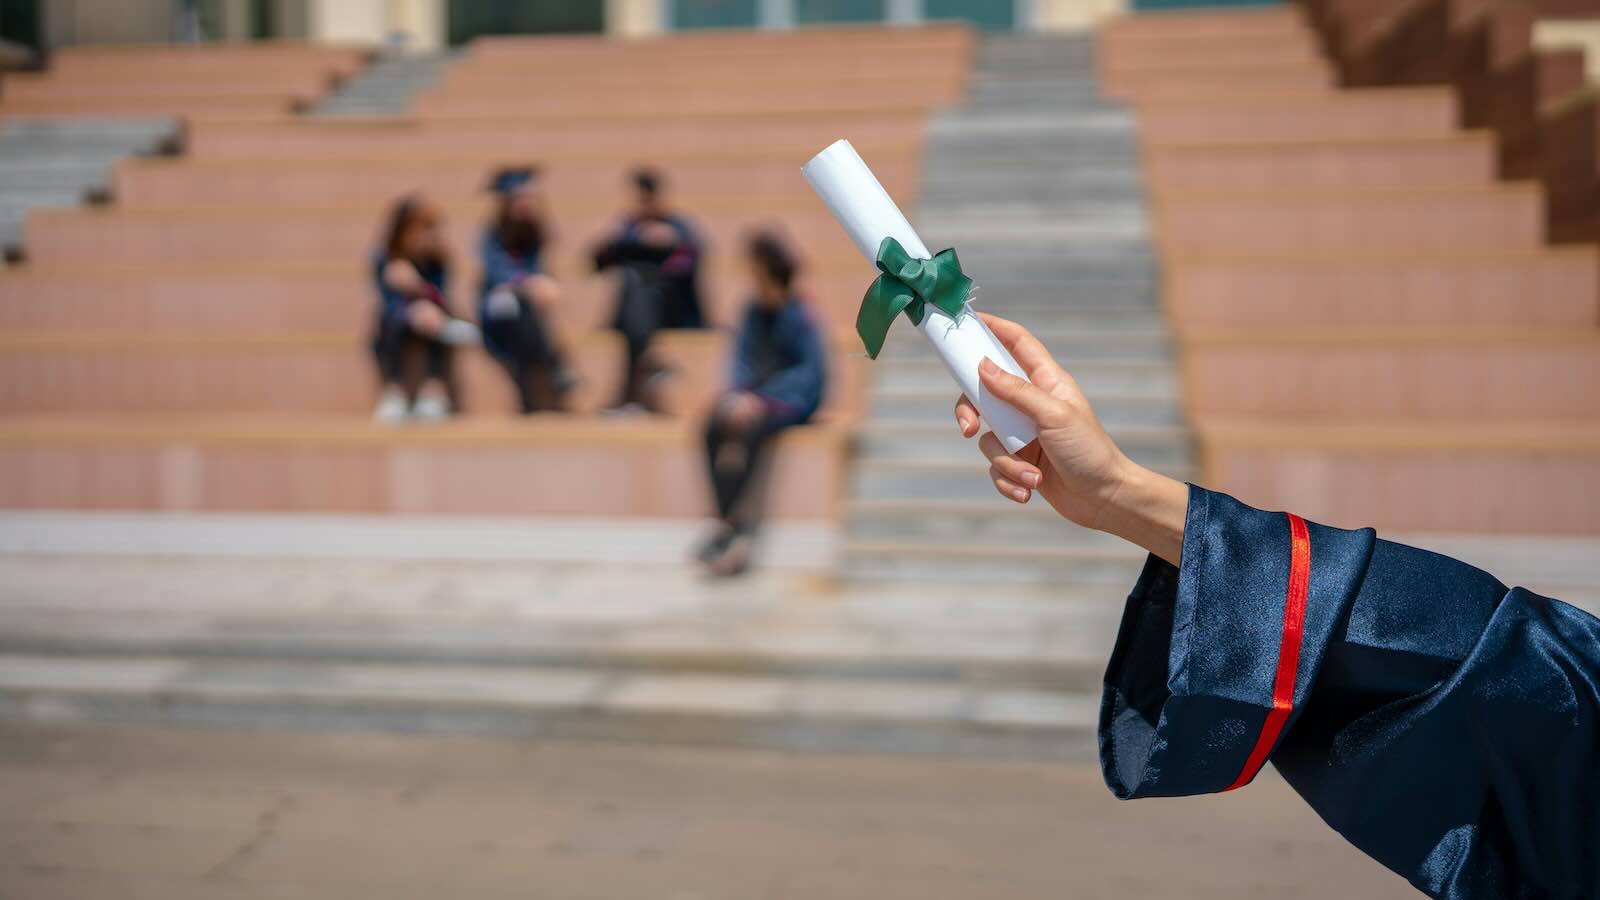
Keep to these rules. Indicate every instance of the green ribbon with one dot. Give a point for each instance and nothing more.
(907, 285)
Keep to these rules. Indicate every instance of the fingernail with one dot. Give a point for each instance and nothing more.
(1020, 494)
(988, 367)
(1031, 479)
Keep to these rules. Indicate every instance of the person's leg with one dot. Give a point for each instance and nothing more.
(388, 352)
(722, 493)
(541, 361)
(741, 459)
(638, 317)
(724, 465)
(436, 389)
(744, 511)
(502, 336)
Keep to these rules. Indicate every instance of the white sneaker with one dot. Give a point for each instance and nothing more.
(460, 333)
(431, 407)
(392, 407)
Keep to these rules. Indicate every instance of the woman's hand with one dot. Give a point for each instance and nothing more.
(1074, 464)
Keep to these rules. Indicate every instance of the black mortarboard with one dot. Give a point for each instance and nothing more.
(510, 179)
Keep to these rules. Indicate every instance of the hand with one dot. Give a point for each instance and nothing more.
(741, 411)
(658, 234)
(542, 291)
(1074, 464)
(426, 317)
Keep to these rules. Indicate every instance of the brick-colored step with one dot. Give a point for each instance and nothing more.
(123, 237)
(1450, 220)
(1237, 80)
(332, 297)
(170, 184)
(475, 72)
(1465, 160)
(1378, 113)
(756, 100)
(888, 134)
(1330, 375)
(113, 371)
(1553, 288)
(151, 105)
(820, 43)
(1476, 474)
(297, 463)
(1260, 25)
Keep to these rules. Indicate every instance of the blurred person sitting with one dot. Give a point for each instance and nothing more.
(777, 380)
(516, 298)
(657, 256)
(415, 332)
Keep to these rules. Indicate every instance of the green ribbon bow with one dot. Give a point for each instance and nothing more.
(907, 285)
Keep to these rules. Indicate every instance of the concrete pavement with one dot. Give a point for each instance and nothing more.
(90, 813)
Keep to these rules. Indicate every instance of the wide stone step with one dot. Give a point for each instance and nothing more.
(994, 520)
(994, 564)
(954, 719)
(86, 132)
(1052, 196)
(915, 461)
(850, 642)
(1088, 334)
(1096, 379)
(54, 176)
(933, 406)
(1113, 229)
(1041, 154)
(24, 198)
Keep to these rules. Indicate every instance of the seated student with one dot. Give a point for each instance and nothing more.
(516, 297)
(1447, 725)
(415, 331)
(779, 374)
(657, 256)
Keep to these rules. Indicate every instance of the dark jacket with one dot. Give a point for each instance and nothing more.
(778, 354)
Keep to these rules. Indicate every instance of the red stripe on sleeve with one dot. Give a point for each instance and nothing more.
(1294, 627)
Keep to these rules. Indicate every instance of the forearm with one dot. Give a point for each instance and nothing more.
(1147, 509)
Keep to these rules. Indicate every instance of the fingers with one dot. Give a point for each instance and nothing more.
(966, 416)
(1027, 398)
(1012, 477)
(1025, 348)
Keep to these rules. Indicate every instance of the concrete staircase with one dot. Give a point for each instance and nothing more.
(386, 87)
(1037, 184)
(62, 162)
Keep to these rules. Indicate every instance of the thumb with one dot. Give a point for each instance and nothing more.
(1026, 397)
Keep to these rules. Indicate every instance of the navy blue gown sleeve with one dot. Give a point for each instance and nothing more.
(1447, 726)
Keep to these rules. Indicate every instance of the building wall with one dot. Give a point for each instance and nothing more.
(425, 22)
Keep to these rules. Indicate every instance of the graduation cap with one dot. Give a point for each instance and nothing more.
(511, 179)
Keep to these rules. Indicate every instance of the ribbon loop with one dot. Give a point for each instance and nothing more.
(908, 285)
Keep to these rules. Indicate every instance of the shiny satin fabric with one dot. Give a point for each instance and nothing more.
(1447, 726)
(908, 284)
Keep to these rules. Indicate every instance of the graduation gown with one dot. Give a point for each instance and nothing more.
(1447, 726)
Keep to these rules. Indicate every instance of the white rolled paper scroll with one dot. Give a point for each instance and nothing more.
(869, 214)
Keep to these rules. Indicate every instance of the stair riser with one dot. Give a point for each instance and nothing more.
(1008, 525)
(894, 479)
(999, 571)
(937, 410)
(1094, 382)
(694, 729)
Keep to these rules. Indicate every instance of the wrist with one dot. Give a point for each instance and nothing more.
(1147, 509)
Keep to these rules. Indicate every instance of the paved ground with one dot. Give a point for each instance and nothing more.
(91, 812)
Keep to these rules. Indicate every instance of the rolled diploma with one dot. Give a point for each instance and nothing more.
(869, 214)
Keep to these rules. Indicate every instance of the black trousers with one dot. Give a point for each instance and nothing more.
(407, 359)
(523, 346)
(731, 484)
(638, 318)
